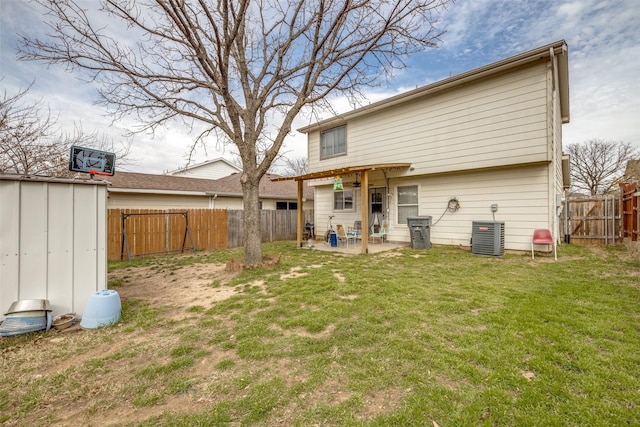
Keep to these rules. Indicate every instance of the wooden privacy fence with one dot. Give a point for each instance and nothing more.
(149, 232)
(593, 219)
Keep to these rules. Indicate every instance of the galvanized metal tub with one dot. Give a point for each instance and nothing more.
(28, 305)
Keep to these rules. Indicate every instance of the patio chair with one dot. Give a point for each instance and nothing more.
(354, 232)
(382, 232)
(543, 237)
(342, 235)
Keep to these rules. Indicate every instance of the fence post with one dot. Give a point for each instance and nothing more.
(605, 218)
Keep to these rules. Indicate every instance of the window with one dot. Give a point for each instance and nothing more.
(287, 206)
(407, 202)
(376, 200)
(333, 142)
(343, 200)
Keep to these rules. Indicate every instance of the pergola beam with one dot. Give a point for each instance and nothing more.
(343, 171)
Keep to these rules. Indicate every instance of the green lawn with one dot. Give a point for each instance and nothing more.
(403, 338)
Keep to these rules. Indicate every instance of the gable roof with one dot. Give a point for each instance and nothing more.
(230, 186)
(205, 164)
(557, 49)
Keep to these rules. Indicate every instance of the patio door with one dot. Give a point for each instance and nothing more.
(377, 207)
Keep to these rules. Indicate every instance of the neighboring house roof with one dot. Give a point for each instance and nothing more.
(229, 186)
(211, 169)
(231, 183)
(557, 49)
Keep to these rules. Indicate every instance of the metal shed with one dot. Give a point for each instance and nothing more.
(52, 241)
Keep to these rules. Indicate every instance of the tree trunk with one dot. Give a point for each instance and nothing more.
(252, 235)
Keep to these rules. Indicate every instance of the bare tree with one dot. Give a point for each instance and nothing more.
(632, 171)
(24, 145)
(293, 166)
(597, 165)
(239, 69)
(32, 142)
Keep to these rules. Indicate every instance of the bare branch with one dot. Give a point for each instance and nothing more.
(598, 165)
(32, 143)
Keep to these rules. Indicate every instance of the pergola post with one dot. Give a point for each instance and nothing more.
(364, 207)
(300, 212)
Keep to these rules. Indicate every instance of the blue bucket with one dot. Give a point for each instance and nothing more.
(333, 238)
(102, 309)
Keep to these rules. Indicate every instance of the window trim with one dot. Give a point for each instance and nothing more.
(399, 205)
(353, 200)
(289, 205)
(326, 131)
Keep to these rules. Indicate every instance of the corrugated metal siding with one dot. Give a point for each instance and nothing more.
(494, 122)
(52, 242)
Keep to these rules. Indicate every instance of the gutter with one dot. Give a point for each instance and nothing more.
(554, 206)
(173, 192)
(268, 196)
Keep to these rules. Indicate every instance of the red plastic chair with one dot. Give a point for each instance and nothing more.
(543, 237)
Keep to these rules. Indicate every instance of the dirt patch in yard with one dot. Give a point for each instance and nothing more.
(197, 285)
(105, 365)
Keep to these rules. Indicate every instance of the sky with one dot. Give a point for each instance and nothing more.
(603, 37)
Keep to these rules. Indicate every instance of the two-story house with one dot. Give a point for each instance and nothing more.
(482, 145)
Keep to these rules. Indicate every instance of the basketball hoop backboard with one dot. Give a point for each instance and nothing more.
(92, 161)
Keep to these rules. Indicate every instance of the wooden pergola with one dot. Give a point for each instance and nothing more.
(349, 170)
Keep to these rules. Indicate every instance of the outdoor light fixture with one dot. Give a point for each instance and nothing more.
(356, 183)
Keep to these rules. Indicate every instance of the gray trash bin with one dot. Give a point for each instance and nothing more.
(420, 231)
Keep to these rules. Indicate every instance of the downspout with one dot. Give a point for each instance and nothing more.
(552, 174)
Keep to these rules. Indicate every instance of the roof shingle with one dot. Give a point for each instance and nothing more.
(229, 185)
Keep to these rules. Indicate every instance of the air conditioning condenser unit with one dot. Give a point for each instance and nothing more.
(487, 238)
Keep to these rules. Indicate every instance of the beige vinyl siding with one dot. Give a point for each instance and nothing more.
(494, 122)
(556, 186)
(324, 207)
(228, 203)
(174, 201)
(521, 196)
(520, 193)
(155, 201)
